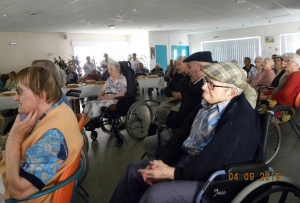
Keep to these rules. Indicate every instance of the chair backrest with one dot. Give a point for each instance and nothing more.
(65, 194)
(127, 71)
(80, 119)
(297, 101)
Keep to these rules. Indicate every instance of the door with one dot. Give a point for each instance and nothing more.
(179, 51)
(161, 56)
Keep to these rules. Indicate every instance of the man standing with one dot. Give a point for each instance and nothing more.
(88, 66)
(104, 63)
(134, 62)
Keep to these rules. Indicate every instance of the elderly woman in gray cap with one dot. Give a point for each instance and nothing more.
(223, 129)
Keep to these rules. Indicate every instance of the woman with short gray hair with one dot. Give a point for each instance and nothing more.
(115, 86)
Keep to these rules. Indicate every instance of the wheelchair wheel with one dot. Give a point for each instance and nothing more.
(119, 142)
(86, 164)
(138, 119)
(273, 141)
(94, 136)
(282, 193)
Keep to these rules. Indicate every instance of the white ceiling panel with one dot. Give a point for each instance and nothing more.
(129, 16)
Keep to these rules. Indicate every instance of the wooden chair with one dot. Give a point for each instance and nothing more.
(294, 124)
(64, 190)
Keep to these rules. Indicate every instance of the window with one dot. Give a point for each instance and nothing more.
(289, 43)
(118, 51)
(228, 50)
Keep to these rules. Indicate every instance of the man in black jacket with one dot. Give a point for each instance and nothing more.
(175, 90)
(223, 129)
(191, 98)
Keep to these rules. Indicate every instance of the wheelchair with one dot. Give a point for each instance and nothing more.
(128, 113)
(251, 182)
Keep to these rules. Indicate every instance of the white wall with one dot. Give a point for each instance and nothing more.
(267, 49)
(31, 46)
(168, 39)
(139, 44)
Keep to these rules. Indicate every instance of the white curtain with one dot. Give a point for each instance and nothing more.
(289, 43)
(227, 50)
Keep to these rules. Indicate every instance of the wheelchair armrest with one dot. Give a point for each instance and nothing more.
(246, 168)
(73, 93)
(280, 108)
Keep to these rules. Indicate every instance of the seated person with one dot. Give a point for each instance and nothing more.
(224, 129)
(290, 89)
(11, 82)
(140, 70)
(115, 86)
(254, 70)
(157, 70)
(93, 76)
(59, 74)
(72, 76)
(175, 90)
(280, 76)
(105, 73)
(265, 76)
(44, 130)
(248, 65)
(279, 70)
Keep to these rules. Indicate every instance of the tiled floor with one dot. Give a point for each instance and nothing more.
(107, 162)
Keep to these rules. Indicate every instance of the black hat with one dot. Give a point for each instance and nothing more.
(204, 56)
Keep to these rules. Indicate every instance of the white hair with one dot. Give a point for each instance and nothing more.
(295, 57)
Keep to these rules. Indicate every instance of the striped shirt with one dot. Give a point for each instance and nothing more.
(203, 128)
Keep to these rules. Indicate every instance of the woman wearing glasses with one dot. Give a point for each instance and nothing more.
(44, 144)
(287, 94)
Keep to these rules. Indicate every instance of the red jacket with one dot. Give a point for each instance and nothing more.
(291, 88)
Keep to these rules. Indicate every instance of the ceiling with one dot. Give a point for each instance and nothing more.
(131, 16)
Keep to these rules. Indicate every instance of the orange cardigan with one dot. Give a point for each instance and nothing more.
(64, 119)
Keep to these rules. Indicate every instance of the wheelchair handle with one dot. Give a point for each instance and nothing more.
(280, 108)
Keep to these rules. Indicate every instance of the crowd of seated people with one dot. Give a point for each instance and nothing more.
(223, 128)
(265, 75)
(193, 96)
(288, 88)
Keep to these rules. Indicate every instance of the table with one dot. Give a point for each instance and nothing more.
(86, 91)
(8, 102)
(146, 82)
(152, 83)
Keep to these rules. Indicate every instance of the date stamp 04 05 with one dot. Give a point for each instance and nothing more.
(249, 176)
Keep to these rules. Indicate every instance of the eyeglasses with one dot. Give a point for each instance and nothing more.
(20, 91)
(211, 85)
(287, 61)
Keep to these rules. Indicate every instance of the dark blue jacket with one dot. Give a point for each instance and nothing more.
(237, 137)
